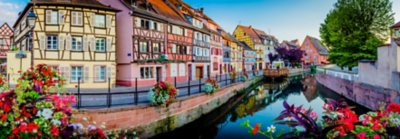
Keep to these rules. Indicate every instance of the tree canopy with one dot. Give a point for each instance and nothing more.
(355, 28)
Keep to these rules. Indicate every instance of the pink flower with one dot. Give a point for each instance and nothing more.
(376, 136)
(313, 115)
(361, 135)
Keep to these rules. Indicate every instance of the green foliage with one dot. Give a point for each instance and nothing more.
(354, 29)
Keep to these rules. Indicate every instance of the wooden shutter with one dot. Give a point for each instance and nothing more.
(159, 27)
(61, 41)
(137, 22)
(108, 21)
(96, 72)
(86, 74)
(66, 73)
(92, 43)
(85, 43)
(68, 42)
(187, 50)
(93, 17)
(48, 16)
(42, 42)
(61, 16)
(109, 44)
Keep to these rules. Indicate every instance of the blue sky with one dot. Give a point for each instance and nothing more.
(286, 19)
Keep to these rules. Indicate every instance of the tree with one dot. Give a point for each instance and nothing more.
(293, 55)
(355, 28)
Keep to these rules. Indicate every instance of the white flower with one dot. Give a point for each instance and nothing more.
(47, 113)
(56, 122)
(271, 129)
(289, 118)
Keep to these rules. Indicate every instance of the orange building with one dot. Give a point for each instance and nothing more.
(315, 52)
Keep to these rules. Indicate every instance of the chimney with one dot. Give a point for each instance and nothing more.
(201, 9)
(250, 26)
(133, 3)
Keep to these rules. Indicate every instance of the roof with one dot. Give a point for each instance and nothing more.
(250, 32)
(291, 44)
(161, 7)
(86, 3)
(397, 25)
(322, 49)
(245, 46)
(79, 3)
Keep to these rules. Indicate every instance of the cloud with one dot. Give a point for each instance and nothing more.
(9, 12)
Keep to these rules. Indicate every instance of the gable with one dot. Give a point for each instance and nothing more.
(5, 30)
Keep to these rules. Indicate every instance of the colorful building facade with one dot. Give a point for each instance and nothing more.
(259, 41)
(249, 57)
(75, 37)
(6, 33)
(315, 52)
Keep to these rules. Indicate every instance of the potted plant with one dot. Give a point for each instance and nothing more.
(162, 93)
(211, 86)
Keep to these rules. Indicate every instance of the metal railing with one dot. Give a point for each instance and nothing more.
(139, 95)
(351, 76)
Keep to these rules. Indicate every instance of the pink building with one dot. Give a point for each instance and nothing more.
(5, 41)
(153, 44)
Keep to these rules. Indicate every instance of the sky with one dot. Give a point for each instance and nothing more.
(285, 19)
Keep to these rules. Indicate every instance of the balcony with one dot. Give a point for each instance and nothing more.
(201, 58)
(201, 43)
(226, 59)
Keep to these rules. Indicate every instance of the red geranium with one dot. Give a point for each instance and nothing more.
(393, 107)
(256, 128)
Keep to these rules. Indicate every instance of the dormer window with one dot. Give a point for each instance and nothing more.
(397, 33)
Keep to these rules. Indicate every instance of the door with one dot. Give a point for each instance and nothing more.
(220, 68)
(199, 72)
(159, 74)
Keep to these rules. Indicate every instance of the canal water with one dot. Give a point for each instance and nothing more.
(261, 105)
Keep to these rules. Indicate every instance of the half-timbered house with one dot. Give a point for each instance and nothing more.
(76, 37)
(6, 33)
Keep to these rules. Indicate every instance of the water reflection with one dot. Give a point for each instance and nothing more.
(261, 105)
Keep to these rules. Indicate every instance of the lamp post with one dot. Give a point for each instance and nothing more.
(31, 20)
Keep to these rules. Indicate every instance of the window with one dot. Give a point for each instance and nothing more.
(76, 73)
(100, 20)
(76, 18)
(143, 47)
(146, 72)
(397, 34)
(76, 43)
(100, 44)
(2, 41)
(174, 48)
(177, 30)
(182, 49)
(52, 43)
(100, 73)
(156, 47)
(51, 17)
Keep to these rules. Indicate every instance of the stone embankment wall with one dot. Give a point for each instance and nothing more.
(369, 96)
(152, 120)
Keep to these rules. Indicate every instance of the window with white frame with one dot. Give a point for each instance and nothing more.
(177, 30)
(76, 43)
(173, 48)
(146, 72)
(143, 47)
(156, 47)
(52, 42)
(100, 20)
(76, 18)
(2, 41)
(100, 73)
(76, 73)
(100, 44)
(51, 17)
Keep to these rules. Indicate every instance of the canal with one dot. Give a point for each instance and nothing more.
(262, 105)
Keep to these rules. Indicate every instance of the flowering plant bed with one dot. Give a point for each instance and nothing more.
(339, 121)
(162, 93)
(31, 111)
(211, 86)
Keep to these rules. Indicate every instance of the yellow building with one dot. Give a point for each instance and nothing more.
(249, 35)
(75, 37)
